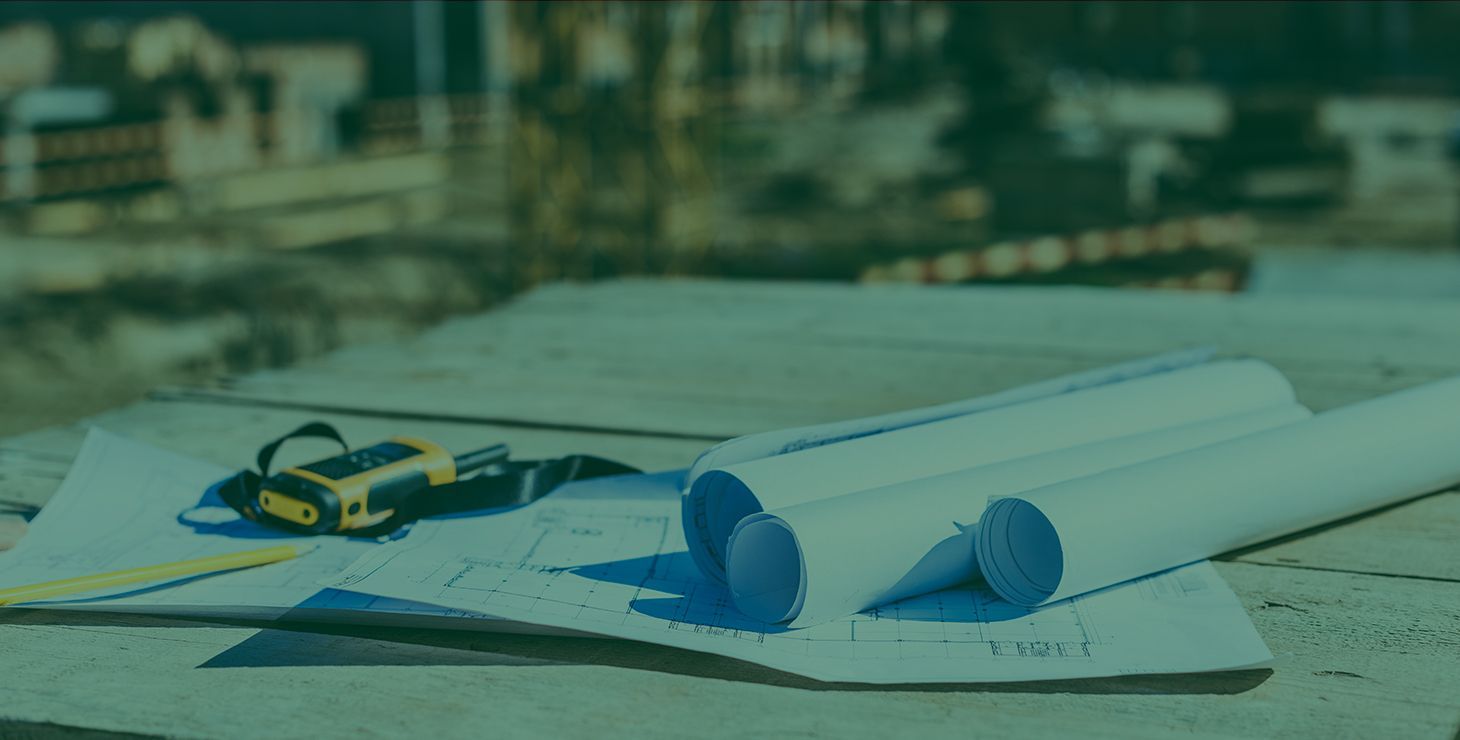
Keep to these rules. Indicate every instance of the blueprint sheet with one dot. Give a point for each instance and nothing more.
(126, 504)
(608, 556)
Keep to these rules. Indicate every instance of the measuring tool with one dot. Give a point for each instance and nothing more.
(363, 488)
(374, 490)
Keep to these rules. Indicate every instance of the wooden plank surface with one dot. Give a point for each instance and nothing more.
(1354, 664)
(1365, 615)
(706, 359)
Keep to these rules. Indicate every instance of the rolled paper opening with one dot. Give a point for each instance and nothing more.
(727, 502)
(765, 571)
(1019, 552)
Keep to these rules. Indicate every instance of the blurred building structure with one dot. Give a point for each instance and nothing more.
(215, 170)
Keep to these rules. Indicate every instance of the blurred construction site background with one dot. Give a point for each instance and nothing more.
(189, 190)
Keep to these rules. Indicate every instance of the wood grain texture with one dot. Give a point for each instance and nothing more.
(1364, 614)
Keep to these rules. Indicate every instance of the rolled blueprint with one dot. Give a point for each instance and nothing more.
(783, 441)
(1068, 538)
(818, 561)
(720, 498)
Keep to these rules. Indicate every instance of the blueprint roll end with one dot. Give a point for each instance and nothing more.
(697, 536)
(767, 574)
(724, 501)
(1019, 552)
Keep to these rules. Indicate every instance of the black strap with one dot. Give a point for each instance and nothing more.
(242, 491)
(509, 483)
(312, 429)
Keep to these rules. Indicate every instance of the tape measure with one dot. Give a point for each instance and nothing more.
(375, 490)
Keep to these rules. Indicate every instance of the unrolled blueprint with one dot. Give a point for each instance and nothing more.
(126, 504)
(608, 556)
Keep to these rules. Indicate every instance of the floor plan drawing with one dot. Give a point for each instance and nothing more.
(609, 557)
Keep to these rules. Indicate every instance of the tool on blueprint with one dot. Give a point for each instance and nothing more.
(374, 490)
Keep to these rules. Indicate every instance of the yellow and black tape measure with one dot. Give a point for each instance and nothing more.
(375, 490)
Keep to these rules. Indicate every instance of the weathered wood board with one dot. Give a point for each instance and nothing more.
(706, 359)
(1365, 615)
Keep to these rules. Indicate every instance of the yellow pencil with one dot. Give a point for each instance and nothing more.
(212, 564)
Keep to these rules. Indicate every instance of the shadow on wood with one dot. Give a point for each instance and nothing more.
(297, 644)
(335, 649)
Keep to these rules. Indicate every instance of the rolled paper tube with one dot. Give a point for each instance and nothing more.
(785, 441)
(814, 562)
(1076, 536)
(720, 498)
(706, 552)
